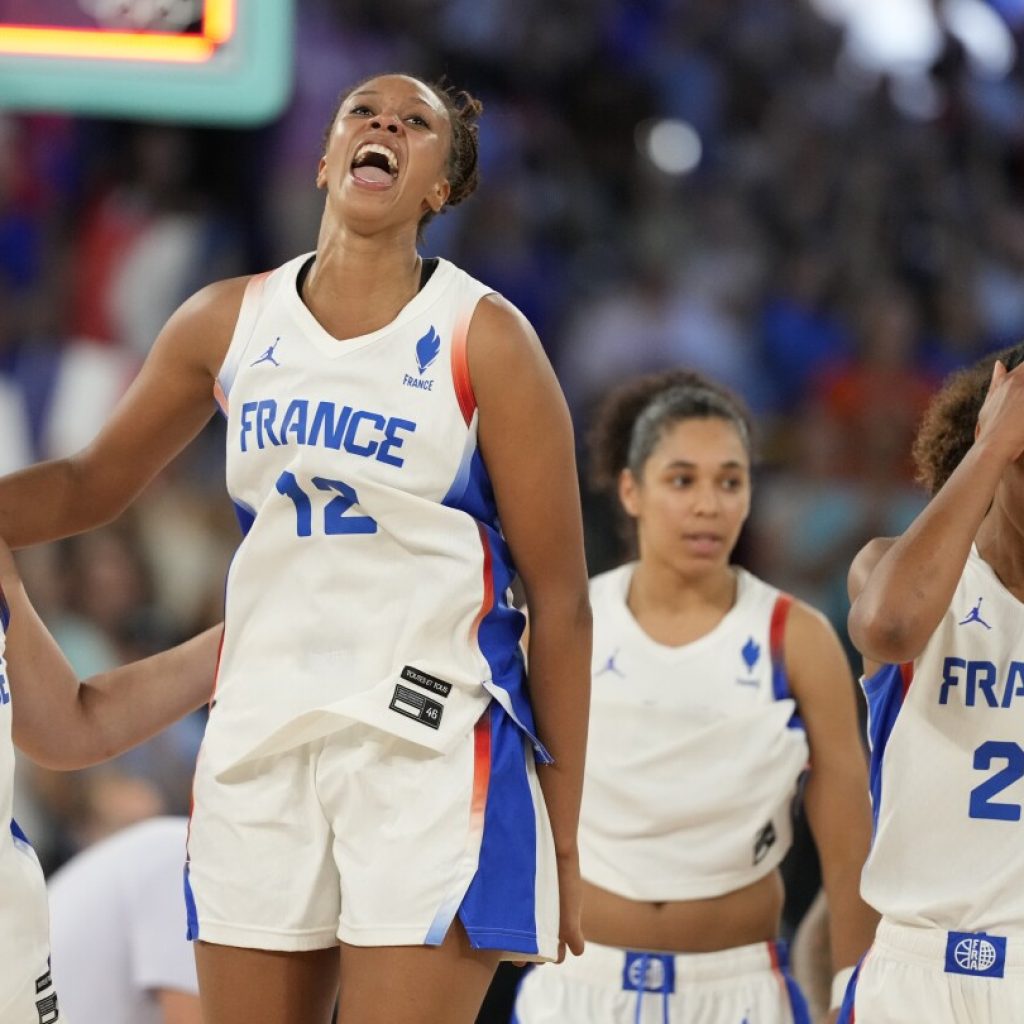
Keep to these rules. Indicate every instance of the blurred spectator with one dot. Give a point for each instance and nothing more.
(117, 930)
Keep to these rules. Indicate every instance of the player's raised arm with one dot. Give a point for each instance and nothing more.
(63, 723)
(526, 441)
(164, 408)
(900, 590)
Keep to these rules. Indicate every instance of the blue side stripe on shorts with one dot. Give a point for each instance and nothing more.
(846, 1007)
(498, 911)
(191, 914)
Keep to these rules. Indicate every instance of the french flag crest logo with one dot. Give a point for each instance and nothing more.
(427, 349)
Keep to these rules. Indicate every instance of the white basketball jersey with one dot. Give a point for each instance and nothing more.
(372, 581)
(24, 918)
(947, 768)
(695, 752)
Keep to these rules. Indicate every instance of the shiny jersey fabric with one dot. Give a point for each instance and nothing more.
(695, 752)
(372, 581)
(947, 768)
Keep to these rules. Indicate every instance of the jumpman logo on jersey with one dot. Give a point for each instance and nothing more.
(268, 356)
(610, 666)
(974, 615)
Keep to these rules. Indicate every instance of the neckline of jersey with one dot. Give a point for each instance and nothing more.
(337, 347)
(667, 652)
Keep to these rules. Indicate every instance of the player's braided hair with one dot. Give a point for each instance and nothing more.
(464, 111)
(632, 419)
(947, 428)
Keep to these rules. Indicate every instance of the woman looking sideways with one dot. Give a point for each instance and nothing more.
(711, 691)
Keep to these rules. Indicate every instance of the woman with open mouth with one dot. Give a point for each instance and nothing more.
(376, 775)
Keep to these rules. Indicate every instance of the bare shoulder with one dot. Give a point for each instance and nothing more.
(203, 324)
(503, 348)
(864, 563)
(807, 629)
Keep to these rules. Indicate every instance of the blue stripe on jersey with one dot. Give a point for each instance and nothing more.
(191, 914)
(5, 610)
(797, 1001)
(18, 833)
(501, 629)
(499, 633)
(884, 694)
(245, 515)
(499, 908)
(471, 490)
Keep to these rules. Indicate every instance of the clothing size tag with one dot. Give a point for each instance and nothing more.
(415, 705)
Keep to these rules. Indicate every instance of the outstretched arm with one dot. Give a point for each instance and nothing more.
(900, 589)
(836, 797)
(62, 723)
(527, 444)
(165, 407)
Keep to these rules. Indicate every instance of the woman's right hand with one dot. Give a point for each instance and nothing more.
(1001, 419)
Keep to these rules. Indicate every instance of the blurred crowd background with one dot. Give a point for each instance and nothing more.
(754, 188)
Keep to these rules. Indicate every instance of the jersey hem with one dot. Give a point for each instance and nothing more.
(721, 885)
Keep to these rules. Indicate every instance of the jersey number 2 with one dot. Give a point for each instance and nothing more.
(981, 796)
(335, 520)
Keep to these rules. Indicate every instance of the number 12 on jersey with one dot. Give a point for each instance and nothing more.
(334, 517)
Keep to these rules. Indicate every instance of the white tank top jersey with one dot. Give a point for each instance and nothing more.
(24, 917)
(695, 752)
(372, 581)
(947, 764)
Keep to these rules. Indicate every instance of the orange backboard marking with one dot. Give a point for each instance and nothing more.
(33, 40)
(219, 20)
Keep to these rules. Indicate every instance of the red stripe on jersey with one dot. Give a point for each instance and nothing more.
(907, 673)
(460, 368)
(481, 767)
(777, 631)
(220, 397)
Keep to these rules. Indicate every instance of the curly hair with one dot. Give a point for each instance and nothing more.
(632, 419)
(463, 111)
(947, 429)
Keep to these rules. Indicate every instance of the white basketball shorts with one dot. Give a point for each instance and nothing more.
(910, 975)
(376, 841)
(745, 985)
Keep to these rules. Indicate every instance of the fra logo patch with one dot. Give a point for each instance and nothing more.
(979, 955)
(764, 841)
(417, 706)
(649, 972)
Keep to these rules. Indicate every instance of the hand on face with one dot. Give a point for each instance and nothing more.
(1001, 420)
